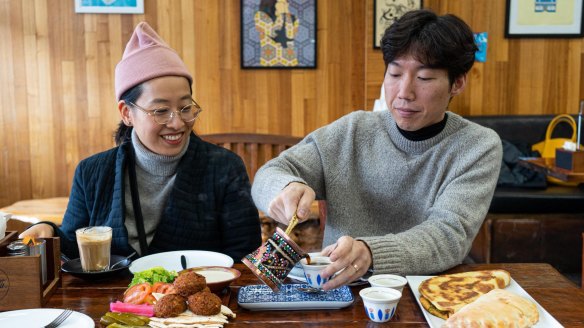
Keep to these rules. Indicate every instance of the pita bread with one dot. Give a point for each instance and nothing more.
(188, 319)
(432, 309)
(497, 308)
(449, 293)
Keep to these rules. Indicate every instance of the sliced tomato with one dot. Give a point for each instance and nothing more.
(137, 294)
(163, 288)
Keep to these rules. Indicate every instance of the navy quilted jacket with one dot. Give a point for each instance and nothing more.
(209, 208)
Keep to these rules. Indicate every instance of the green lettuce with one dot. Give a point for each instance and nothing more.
(153, 275)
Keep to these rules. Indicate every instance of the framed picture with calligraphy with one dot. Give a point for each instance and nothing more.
(544, 19)
(278, 34)
(386, 12)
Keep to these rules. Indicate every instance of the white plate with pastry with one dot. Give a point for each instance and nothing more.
(545, 319)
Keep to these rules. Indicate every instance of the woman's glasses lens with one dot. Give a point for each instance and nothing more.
(188, 114)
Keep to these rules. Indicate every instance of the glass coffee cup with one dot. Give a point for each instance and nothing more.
(94, 248)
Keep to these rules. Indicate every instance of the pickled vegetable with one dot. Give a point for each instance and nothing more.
(127, 319)
(143, 318)
(106, 320)
(117, 325)
(142, 309)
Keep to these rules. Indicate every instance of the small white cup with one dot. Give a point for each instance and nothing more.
(4, 217)
(380, 302)
(389, 281)
(312, 271)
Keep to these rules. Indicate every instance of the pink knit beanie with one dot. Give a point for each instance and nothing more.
(147, 56)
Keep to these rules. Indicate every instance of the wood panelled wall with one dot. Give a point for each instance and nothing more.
(56, 77)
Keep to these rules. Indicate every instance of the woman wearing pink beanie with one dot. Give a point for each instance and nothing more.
(161, 188)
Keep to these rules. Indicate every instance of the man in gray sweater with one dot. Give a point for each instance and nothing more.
(406, 189)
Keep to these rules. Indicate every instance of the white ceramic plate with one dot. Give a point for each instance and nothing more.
(262, 298)
(42, 317)
(545, 319)
(171, 260)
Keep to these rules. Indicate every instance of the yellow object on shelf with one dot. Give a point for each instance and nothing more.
(548, 147)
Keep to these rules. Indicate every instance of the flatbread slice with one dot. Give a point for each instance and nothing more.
(432, 309)
(188, 319)
(446, 294)
(497, 308)
(178, 325)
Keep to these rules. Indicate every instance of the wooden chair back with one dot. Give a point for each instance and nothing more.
(254, 149)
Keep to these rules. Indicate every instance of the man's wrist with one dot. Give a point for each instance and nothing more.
(370, 253)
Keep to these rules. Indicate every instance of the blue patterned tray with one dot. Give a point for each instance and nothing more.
(261, 297)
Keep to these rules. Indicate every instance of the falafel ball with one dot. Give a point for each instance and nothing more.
(189, 283)
(170, 305)
(204, 303)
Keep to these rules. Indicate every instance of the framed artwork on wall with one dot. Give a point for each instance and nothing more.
(386, 12)
(278, 34)
(110, 6)
(544, 19)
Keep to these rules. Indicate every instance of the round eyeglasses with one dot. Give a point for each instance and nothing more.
(163, 115)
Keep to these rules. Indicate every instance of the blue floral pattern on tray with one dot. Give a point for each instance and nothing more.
(262, 297)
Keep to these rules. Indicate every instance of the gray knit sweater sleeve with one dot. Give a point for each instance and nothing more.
(417, 204)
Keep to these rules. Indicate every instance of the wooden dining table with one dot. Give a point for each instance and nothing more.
(555, 293)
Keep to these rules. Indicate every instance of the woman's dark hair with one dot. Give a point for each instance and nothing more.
(124, 132)
(436, 41)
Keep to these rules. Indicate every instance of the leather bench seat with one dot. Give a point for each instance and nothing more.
(553, 199)
(528, 129)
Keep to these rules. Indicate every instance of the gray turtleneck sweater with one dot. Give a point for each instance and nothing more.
(155, 176)
(417, 204)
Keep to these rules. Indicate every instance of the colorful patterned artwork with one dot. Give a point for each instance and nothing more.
(278, 33)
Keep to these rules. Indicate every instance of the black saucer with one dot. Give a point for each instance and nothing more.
(73, 267)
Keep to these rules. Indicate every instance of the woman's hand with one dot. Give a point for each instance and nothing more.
(295, 198)
(351, 256)
(41, 230)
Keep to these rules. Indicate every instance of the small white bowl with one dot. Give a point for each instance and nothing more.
(217, 277)
(380, 302)
(388, 280)
(312, 271)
